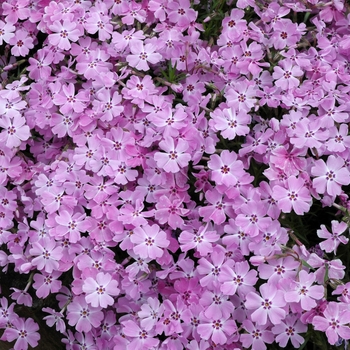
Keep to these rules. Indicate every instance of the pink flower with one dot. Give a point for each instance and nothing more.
(6, 32)
(334, 322)
(15, 131)
(142, 54)
(24, 332)
(237, 279)
(181, 13)
(46, 283)
(99, 290)
(68, 100)
(295, 196)
(287, 76)
(289, 330)
(230, 122)
(200, 239)
(257, 336)
(269, 305)
(47, 254)
(175, 158)
(21, 43)
(226, 169)
(83, 316)
(330, 176)
(217, 329)
(141, 338)
(304, 291)
(333, 239)
(149, 241)
(63, 34)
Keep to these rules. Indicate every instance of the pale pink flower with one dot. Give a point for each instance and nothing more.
(333, 239)
(334, 322)
(63, 34)
(99, 290)
(269, 305)
(330, 176)
(149, 241)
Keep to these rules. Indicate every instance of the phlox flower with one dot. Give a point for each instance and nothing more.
(82, 315)
(330, 176)
(334, 322)
(226, 169)
(141, 338)
(252, 218)
(149, 241)
(24, 332)
(21, 43)
(142, 54)
(267, 306)
(175, 156)
(304, 291)
(257, 336)
(99, 290)
(237, 278)
(217, 329)
(56, 318)
(46, 283)
(6, 32)
(230, 122)
(216, 304)
(47, 254)
(287, 75)
(294, 196)
(332, 239)
(68, 100)
(170, 211)
(63, 34)
(200, 239)
(181, 13)
(216, 208)
(289, 329)
(14, 131)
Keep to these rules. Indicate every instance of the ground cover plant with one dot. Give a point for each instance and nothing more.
(175, 174)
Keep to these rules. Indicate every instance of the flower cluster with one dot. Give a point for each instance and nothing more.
(161, 167)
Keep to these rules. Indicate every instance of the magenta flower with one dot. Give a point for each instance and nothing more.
(330, 176)
(269, 305)
(149, 241)
(333, 239)
(24, 332)
(175, 156)
(99, 290)
(334, 322)
(295, 196)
